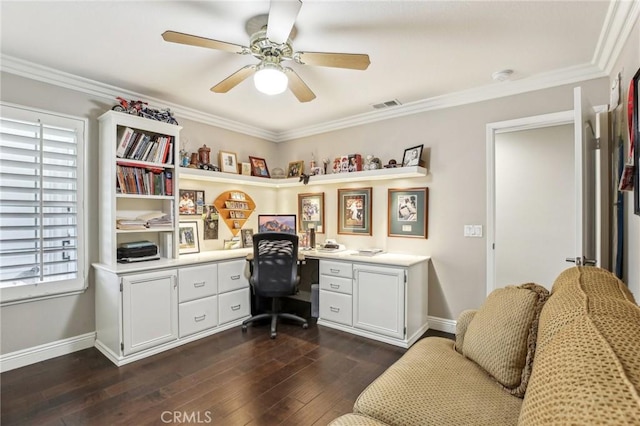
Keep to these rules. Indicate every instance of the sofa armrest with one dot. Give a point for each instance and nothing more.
(461, 326)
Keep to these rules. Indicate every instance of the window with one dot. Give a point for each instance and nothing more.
(42, 218)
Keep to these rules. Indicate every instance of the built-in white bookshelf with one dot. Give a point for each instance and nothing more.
(138, 181)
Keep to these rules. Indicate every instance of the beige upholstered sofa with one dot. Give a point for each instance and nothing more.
(576, 363)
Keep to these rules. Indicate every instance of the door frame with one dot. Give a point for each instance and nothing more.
(537, 122)
(526, 123)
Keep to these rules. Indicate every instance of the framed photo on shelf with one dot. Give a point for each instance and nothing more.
(412, 156)
(354, 211)
(247, 237)
(228, 162)
(408, 212)
(188, 233)
(259, 167)
(245, 169)
(191, 202)
(295, 169)
(311, 212)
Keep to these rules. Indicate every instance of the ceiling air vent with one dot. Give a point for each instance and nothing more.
(387, 104)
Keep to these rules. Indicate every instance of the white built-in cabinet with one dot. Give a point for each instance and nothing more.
(141, 311)
(385, 302)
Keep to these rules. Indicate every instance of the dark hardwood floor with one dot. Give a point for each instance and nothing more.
(303, 377)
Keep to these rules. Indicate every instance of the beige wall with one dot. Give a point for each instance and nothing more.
(456, 150)
(627, 65)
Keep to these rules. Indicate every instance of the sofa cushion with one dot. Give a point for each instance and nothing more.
(587, 366)
(353, 419)
(501, 337)
(432, 384)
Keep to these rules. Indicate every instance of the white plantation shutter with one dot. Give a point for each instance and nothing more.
(42, 252)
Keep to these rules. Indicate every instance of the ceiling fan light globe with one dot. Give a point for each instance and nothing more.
(270, 81)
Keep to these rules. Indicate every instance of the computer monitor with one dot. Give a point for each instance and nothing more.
(277, 223)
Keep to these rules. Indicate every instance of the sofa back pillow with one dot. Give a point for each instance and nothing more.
(501, 337)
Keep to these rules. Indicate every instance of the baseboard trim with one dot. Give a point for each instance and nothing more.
(442, 324)
(47, 351)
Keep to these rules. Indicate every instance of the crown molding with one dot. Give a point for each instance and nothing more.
(619, 21)
(618, 24)
(497, 90)
(59, 78)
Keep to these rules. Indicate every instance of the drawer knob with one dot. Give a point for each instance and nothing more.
(336, 286)
(235, 277)
(200, 284)
(235, 307)
(200, 318)
(334, 309)
(334, 271)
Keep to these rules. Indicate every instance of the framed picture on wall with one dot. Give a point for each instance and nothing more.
(191, 202)
(408, 212)
(354, 211)
(635, 139)
(188, 233)
(311, 212)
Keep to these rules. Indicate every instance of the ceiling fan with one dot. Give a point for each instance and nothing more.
(270, 42)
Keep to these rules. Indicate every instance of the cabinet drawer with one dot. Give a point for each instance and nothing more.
(234, 305)
(337, 284)
(198, 315)
(197, 281)
(339, 269)
(336, 307)
(231, 275)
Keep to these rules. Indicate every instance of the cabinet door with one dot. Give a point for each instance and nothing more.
(379, 300)
(149, 310)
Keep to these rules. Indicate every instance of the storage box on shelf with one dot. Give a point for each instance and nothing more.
(138, 185)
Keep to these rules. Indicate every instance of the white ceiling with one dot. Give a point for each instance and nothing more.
(419, 50)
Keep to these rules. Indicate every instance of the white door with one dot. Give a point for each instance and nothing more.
(541, 196)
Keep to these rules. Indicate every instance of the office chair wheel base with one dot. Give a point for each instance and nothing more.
(244, 328)
(305, 325)
(273, 335)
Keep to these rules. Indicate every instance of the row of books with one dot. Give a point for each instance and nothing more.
(145, 181)
(135, 145)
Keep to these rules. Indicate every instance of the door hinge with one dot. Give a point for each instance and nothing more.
(122, 346)
(120, 286)
(405, 277)
(597, 143)
(405, 332)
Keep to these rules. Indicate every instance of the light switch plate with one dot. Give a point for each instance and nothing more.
(473, 231)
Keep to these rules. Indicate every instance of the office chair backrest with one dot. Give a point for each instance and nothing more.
(275, 264)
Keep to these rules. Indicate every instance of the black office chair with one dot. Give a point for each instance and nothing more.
(275, 274)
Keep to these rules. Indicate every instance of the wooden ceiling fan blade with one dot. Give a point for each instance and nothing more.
(282, 17)
(298, 86)
(234, 79)
(192, 40)
(355, 61)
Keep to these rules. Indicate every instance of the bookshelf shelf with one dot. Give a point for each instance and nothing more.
(131, 186)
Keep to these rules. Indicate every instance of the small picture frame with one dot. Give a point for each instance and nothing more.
(354, 211)
(408, 212)
(191, 202)
(232, 244)
(245, 169)
(295, 169)
(247, 237)
(311, 212)
(228, 162)
(412, 156)
(188, 237)
(259, 167)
